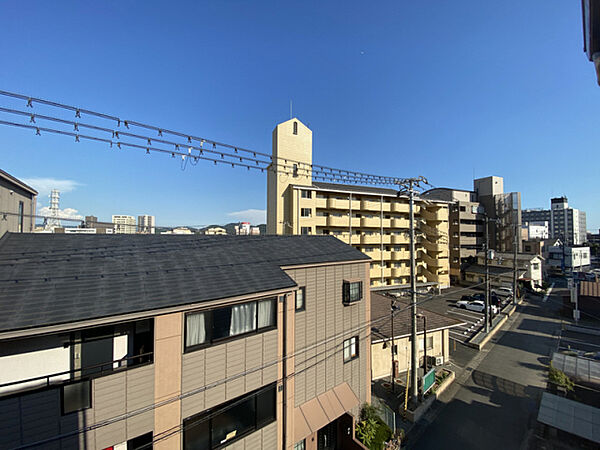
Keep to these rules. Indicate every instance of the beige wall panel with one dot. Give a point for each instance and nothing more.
(112, 434)
(140, 387)
(40, 414)
(254, 351)
(109, 396)
(215, 396)
(168, 325)
(253, 441)
(168, 373)
(193, 370)
(236, 357)
(269, 437)
(140, 424)
(167, 417)
(216, 363)
(10, 423)
(235, 388)
(192, 405)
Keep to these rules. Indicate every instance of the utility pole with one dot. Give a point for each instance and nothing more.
(392, 346)
(487, 277)
(516, 246)
(413, 293)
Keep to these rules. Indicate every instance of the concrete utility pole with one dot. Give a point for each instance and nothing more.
(413, 294)
(487, 278)
(392, 346)
(516, 246)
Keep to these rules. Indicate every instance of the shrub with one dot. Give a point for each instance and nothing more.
(560, 378)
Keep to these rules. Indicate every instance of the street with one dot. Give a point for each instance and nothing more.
(494, 401)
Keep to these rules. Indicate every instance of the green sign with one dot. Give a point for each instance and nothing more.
(428, 380)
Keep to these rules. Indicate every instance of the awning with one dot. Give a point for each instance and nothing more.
(313, 415)
(570, 416)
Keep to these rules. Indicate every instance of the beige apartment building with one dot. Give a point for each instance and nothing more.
(169, 342)
(373, 220)
(124, 224)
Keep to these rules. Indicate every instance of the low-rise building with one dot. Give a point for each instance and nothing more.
(185, 341)
(529, 270)
(437, 345)
(215, 231)
(17, 205)
(573, 258)
(178, 230)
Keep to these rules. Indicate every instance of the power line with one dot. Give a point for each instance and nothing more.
(194, 145)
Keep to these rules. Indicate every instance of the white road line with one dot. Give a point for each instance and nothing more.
(473, 316)
(548, 294)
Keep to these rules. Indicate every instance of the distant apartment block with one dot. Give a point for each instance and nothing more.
(244, 228)
(468, 210)
(565, 223)
(178, 230)
(215, 231)
(373, 220)
(165, 346)
(17, 205)
(535, 230)
(146, 224)
(124, 224)
(100, 227)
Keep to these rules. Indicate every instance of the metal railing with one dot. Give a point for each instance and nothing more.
(93, 371)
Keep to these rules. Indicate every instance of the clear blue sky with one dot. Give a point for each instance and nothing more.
(447, 90)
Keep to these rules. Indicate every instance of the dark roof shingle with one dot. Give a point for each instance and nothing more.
(48, 279)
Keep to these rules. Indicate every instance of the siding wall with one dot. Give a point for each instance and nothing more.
(321, 367)
(37, 416)
(10, 202)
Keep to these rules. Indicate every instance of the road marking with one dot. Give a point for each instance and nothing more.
(462, 312)
(548, 294)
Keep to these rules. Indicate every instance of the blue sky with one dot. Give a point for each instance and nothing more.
(448, 90)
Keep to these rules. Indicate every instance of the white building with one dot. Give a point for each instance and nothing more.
(124, 224)
(575, 257)
(146, 224)
(244, 228)
(537, 230)
(179, 230)
(568, 224)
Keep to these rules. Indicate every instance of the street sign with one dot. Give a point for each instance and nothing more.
(428, 380)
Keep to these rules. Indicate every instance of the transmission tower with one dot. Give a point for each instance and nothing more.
(53, 221)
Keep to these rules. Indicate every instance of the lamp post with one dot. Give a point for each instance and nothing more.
(424, 317)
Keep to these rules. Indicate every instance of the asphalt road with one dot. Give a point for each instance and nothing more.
(494, 402)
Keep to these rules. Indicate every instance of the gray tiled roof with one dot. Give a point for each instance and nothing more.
(48, 279)
(380, 308)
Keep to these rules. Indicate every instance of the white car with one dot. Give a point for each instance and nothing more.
(475, 305)
(503, 291)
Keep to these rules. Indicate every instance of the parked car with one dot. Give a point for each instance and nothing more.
(475, 305)
(503, 291)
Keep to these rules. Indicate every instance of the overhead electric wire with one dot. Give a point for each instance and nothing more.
(315, 170)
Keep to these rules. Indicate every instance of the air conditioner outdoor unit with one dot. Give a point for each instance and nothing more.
(439, 360)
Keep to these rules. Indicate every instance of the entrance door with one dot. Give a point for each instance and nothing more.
(327, 437)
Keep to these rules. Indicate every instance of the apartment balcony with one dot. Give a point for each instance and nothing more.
(386, 223)
(336, 203)
(398, 272)
(370, 205)
(375, 272)
(400, 223)
(321, 221)
(400, 239)
(434, 214)
(356, 222)
(338, 221)
(370, 222)
(345, 238)
(370, 239)
(400, 207)
(387, 206)
(400, 256)
(387, 272)
(321, 203)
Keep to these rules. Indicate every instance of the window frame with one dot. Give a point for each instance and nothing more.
(303, 210)
(303, 307)
(356, 353)
(305, 193)
(347, 290)
(211, 340)
(302, 229)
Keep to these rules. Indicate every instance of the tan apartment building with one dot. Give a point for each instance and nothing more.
(255, 342)
(17, 205)
(124, 224)
(373, 220)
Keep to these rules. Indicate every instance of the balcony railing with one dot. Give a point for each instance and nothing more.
(58, 378)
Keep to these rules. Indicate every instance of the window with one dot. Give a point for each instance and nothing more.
(535, 266)
(231, 421)
(300, 299)
(206, 327)
(429, 343)
(305, 212)
(351, 349)
(295, 127)
(305, 230)
(76, 396)
(352, 291)
(295, 170)
(20, 225)
(300, 445)
(305, 194)
(463, 208)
